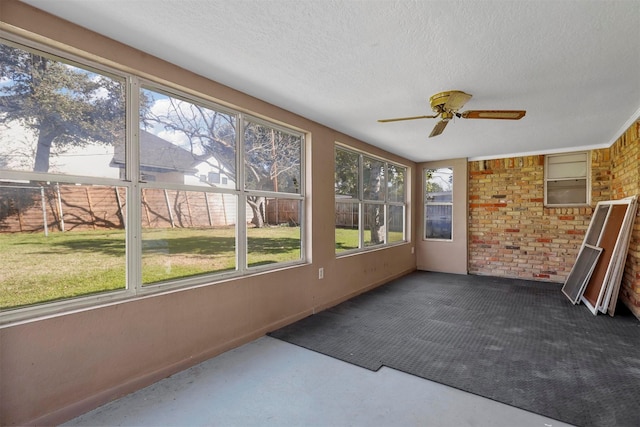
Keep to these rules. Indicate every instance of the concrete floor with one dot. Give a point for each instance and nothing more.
(272, 383)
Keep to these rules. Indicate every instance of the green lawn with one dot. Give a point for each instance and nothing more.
(37, 269)
(347, 238)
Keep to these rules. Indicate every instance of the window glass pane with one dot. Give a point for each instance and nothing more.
(567, 170)
(597, 225)
(438, 221)
(279, 239)
(373, 179)
(60, 240)
(183, 142)
(272, 159)
(57, 117)
(186, 233)
(395, 183)
(378, 188)
(567, 192)
(346, 174)
(347, 233)
(395, 224)
(567, 158)
(438, 185)
(374, 224)
(567, 166)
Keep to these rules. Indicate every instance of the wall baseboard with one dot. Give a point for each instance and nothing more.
(362, 290)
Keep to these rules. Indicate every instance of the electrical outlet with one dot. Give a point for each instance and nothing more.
(412, 249)
(321, 273)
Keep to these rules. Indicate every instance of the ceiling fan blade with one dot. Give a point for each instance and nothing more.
(456, 100)
(407, 118)
(494, 114)
(439, 128)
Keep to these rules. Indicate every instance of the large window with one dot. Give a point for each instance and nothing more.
(566, 179)
(438, 203)
(370, 201)
(96, 198)
(63, 206)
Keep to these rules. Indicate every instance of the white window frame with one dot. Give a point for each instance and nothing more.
(133, 287)
(568, 178)
(244, 193)
(360, 201)
(428, 203)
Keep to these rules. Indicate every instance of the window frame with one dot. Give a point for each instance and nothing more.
(244, 193)
(360, 203)
(586, 178)
(133, 182)
(427, 203)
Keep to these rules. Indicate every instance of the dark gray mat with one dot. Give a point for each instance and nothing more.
(517, 342)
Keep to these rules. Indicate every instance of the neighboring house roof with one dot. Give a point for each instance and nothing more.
(158, 154)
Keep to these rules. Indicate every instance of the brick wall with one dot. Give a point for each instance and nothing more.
(625, 170)
(512, 234)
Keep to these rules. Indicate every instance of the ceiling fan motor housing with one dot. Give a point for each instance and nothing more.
(451, 100)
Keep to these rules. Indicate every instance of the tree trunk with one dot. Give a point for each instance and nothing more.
(43, 152)
(257, 205)
(376, 218)
(376, 212)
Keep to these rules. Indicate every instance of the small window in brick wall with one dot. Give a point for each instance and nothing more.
(566, 179)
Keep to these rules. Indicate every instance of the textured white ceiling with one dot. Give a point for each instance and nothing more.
(573, 65)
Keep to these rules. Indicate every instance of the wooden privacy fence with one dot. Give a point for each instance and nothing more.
(184, 209)
(32, 208)
(38, 208)
(279, 211)
(347, 216)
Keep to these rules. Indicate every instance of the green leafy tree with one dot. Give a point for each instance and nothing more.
(395, 183)
(346, 173)
(64, 106)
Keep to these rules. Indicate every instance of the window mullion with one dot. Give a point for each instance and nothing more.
(385, 188)
(361, 212)
(134, 195)
(241, 220)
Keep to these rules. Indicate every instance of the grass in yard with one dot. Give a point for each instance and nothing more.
(38, 269)
(174, 253)
(347, 238)
(272, 245)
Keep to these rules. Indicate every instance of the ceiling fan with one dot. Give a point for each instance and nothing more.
(446, 106)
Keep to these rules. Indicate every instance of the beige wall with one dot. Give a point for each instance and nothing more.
(445, 256)
(55, 368)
